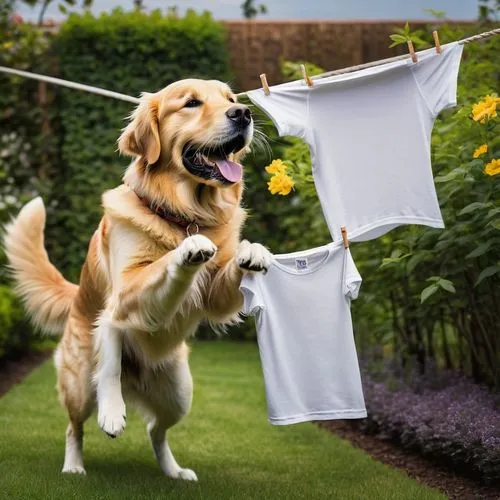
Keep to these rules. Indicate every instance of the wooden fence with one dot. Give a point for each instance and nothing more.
(258, 46)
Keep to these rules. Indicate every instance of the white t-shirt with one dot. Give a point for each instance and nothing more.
(369, 136)
(304, 331)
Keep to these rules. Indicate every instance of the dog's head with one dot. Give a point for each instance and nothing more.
(195, 127)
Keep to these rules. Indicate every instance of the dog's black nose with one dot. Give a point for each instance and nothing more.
(240, 115)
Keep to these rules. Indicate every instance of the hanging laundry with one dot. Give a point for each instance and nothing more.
(369, 135)
(304, 331)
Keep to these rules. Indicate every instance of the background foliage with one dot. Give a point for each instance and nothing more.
(430, 297)
(28, 146)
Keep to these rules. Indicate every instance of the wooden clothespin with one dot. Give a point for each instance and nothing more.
(436, 42)
(412, 51)
(265, 86)
(306, 77)
(344, 237)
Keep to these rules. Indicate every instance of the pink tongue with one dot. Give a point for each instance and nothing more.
(232, 171)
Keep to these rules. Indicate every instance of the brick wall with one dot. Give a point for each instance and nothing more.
(258, 46)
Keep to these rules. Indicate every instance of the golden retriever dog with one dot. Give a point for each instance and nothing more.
(166, 255)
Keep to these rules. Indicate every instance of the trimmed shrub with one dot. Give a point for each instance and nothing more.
(28, 149)
(15, 335)
(446, 417)
(129, 52)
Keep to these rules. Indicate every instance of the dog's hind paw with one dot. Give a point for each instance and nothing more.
(73, 469)
(253, 257)
(184, 474)
(196, 250)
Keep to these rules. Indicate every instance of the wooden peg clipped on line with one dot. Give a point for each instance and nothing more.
(265, 86)
(412, 51)
(436, 42)
(344, 236)
(306, 77)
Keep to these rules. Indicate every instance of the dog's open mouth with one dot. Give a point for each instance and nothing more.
(211, 162)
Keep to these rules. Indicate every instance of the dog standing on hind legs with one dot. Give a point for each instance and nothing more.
(166, 254)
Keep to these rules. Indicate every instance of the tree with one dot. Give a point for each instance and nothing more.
(64, 6)
(250, 10)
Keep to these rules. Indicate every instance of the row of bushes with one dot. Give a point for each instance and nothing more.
(27, 151)
(442, 416)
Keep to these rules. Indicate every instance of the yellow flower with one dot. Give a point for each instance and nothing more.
(277, 167)
(485, 109)
(480, 151)
(7, 45)
(280, 184)
(493, 167)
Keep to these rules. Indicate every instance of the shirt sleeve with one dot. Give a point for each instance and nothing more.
(436, 76)
(352, 278)
(286, 105)
(252, 300)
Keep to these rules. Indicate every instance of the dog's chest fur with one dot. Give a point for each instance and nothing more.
(144, 238)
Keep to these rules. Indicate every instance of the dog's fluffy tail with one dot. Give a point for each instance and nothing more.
(46, 295)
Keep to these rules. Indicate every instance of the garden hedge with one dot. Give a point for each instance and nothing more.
(129, 52)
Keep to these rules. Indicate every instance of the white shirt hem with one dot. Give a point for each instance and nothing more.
(398, 220)
(318, 415)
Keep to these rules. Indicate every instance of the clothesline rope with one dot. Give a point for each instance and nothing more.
(71, 85)
(358, 67)
(135, 100)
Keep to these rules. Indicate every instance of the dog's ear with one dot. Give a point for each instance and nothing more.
(141, 136)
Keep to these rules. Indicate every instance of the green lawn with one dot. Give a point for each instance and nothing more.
(226, 440)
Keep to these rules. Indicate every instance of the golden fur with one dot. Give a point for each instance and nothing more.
(145, 285)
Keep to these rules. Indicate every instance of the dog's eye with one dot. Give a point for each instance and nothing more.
(193, 103)
(232, 99)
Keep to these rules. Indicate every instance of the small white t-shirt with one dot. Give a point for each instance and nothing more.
(369, 136)
(304, 331)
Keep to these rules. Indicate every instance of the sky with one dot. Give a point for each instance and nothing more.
(295, 9)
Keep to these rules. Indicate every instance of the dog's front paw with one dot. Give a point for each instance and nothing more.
(196, 250)
(111, 416)
(253, 257)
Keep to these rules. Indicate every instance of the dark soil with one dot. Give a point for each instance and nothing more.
(12, 371)
(423, 470)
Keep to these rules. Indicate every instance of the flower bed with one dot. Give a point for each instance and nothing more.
(450, 419)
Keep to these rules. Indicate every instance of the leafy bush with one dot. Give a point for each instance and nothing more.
(14, 333)
(428, 296)
(28, 148)
(128, 52)
(445, 417)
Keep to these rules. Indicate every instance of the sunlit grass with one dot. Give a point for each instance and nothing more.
(226, 440)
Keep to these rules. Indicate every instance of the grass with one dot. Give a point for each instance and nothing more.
(226, 440)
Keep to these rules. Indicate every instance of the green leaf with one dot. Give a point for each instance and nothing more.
(398, 38)
(435, 279)
(495, 224)
(62, 8)
(428, 292)
(447, 285)
(457, 172)
(486, 273)
(480, 250)
(394, 260)
(477, 205)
